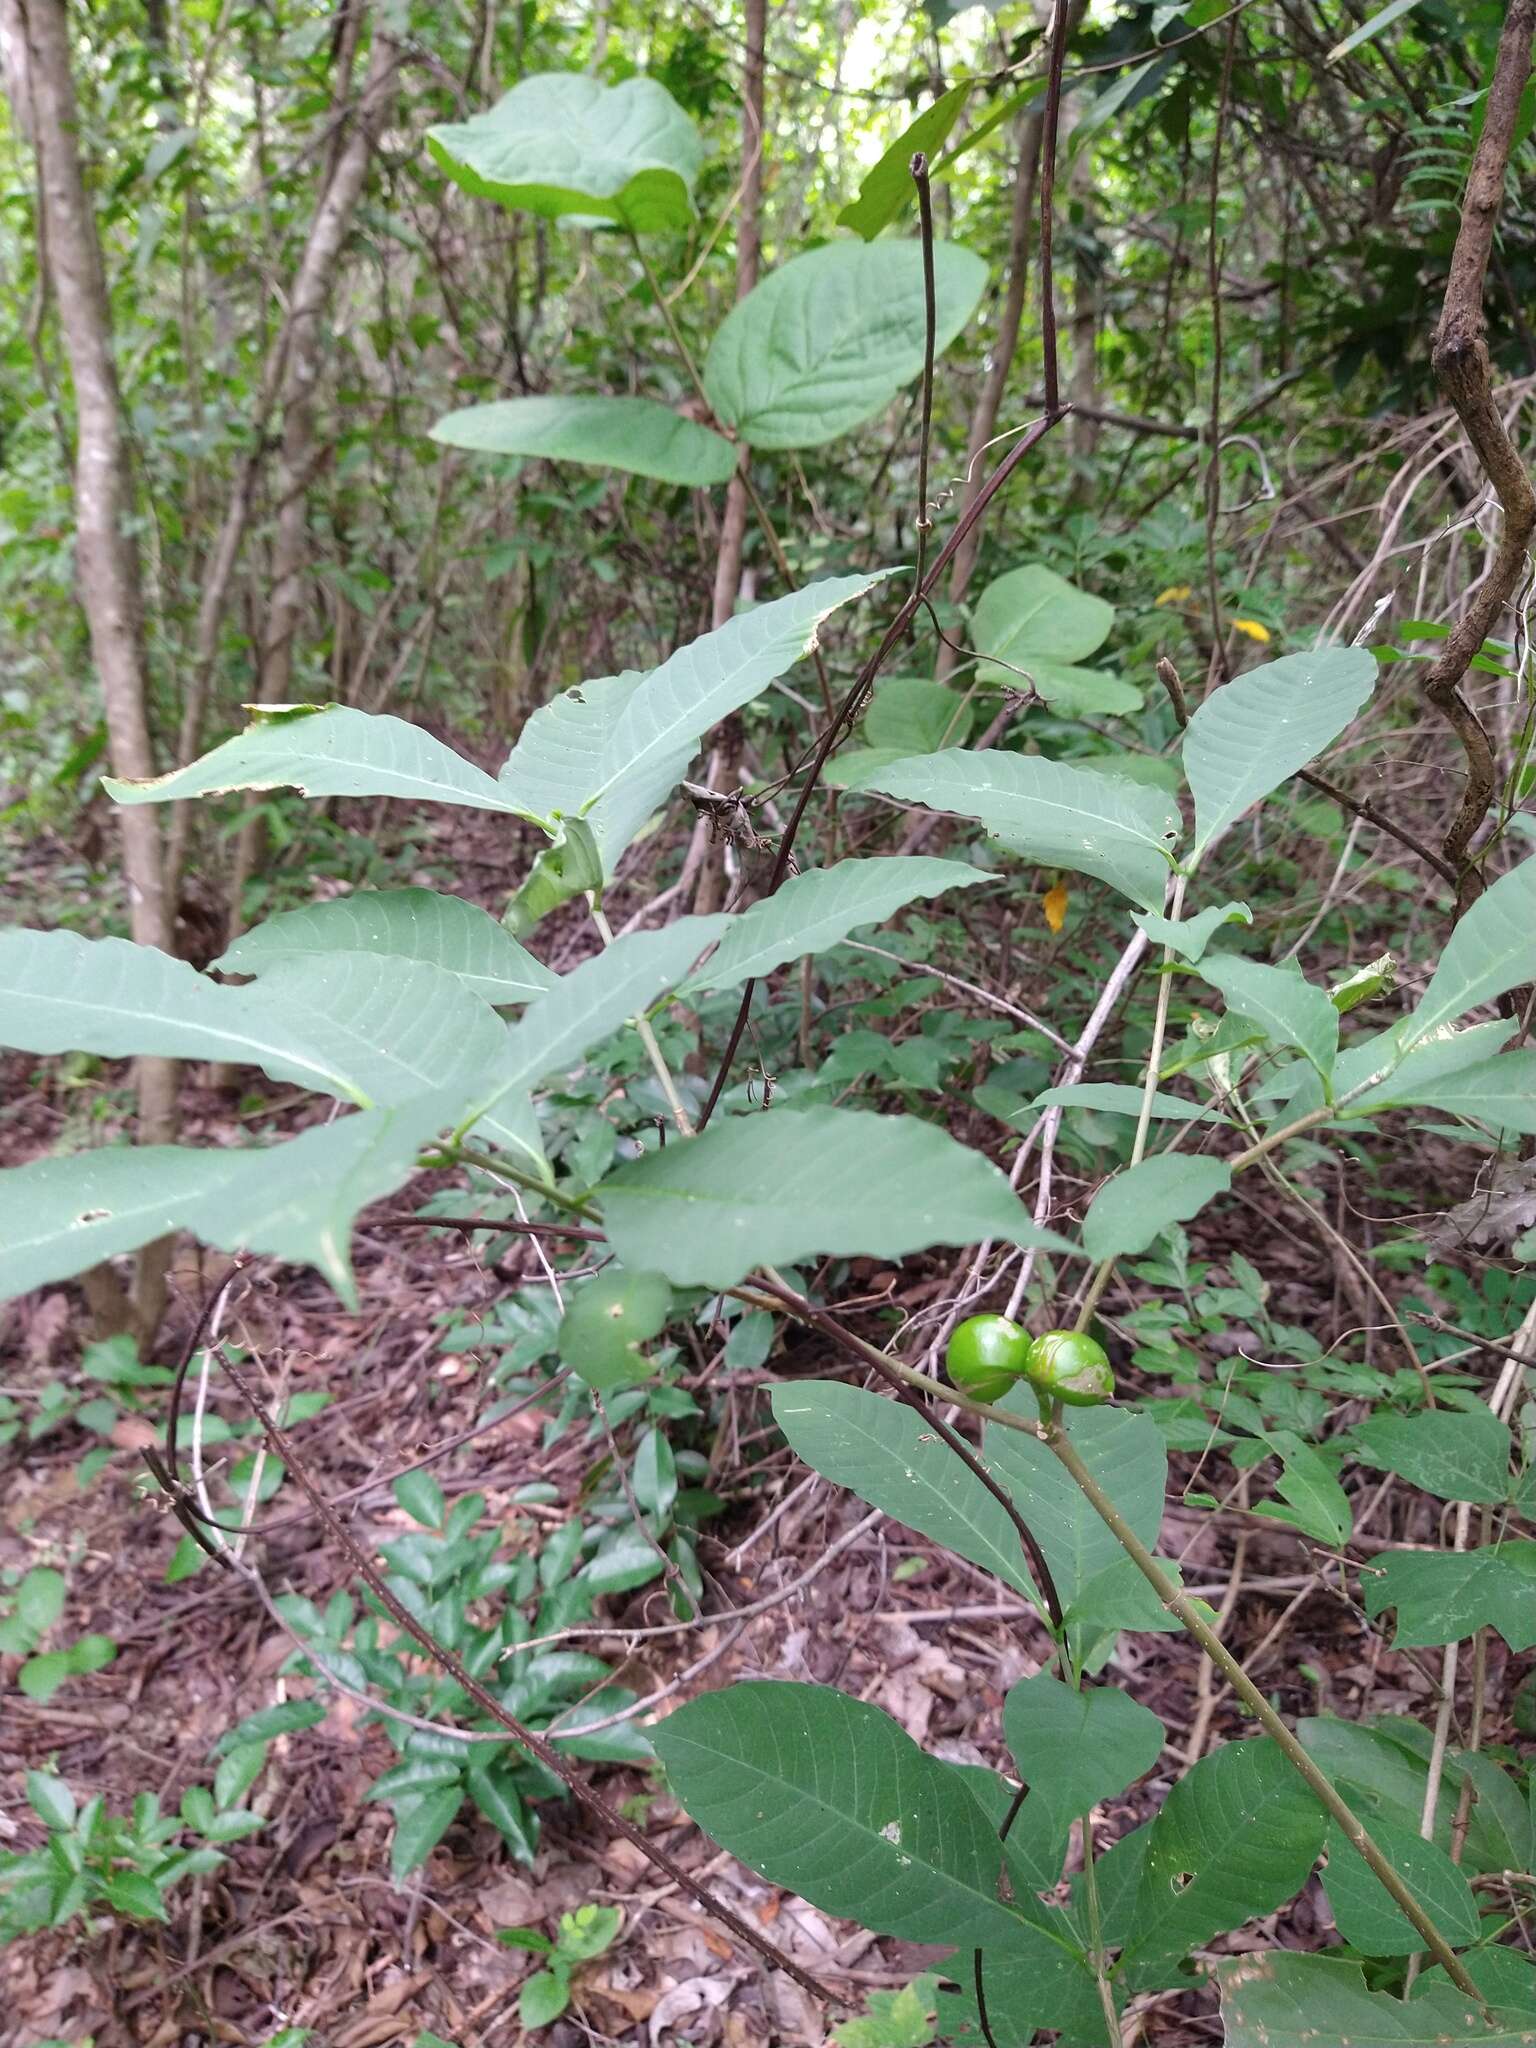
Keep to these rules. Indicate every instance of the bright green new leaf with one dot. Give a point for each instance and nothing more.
(294, 1201)
(1251, 735)
(1492, 950)
(829, 1797)
(1276, 1999)
(1189, 936)
(1140, 1202)
(1365, 1915)
(1124, 1098)
(633, 434)
(814, 910)
(1444, 1596)
(613, 749)
(896, 2019)
(829, 338)
(561, 142)
(773, 1189)
(1291, 1010)
(1455, 1454)
(407, 924)
(1052, 814)
(1237, 1837)
(888, 189)
(1076, 1748)
(882, 1451)
(915, 715)
(325, 750)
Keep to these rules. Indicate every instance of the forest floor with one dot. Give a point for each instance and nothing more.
(304, 1926)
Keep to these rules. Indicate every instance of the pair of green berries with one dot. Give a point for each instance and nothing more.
(989, 1354)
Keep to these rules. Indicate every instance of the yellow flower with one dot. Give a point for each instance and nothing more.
(1253, 629)
(1175, 594)
(1054, 904)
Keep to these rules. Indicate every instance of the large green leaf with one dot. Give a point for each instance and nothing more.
(915, 715)
(325, 750)
(1492, 950)
(561, 142)
(1444, 1596)
(1365, 1915)
(1290, 1009)
(1076, 1748)
(1383, 1772)
(1251, 735)
(1141, 1201)
(1055, 815)
(815, 910)
(1276, 1999)
(634, 434)
(829, 338)
(407, 924)
(1458, 1455)
(1500, 1093)
(829, 1797)
(774, 1188)
(611, 750)
(1236, 1838)
(883, 1451)
(1424, 1065)
(1033, 621)
(293, 1201)
(370, 1029)
(889, 189)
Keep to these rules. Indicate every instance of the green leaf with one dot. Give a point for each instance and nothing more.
(885, 1453)
(40, 1599)
(1074, 1749)
(1458, 1455)
(888, 189)
(1052, 814)
(40, 1677)
(295, 1201)
(419, 1494)
(1236, 1838)
(1443, 1597)
(1426, 1064)
(1491, 950)
(773, 1189)
(589, 1932)
(1370, 29)
(493, 1788)
(1365, 1914)
(1291, 1010)
(654, 1475)
(407, 924)
(611, 750)
(914, 715)
(606, 1321)
(1140, 1202)
(128, 1891)
(325, 750)
(1123, 1098)
(1318, 1504)
(1189, 936)
(50, 1799)
(828, 339)
(634, 434)
(1276, 1999)
(895, 2019)
(420, 1824)
(625, 1561)
(1034, 621)
(1500, 1092)
(1251, 735)
(237, 1772)
(561, 143)
(815, 910)
(829, 1797)
(543, 1998)
(286, 1718)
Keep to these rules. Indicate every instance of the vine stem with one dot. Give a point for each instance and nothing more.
(1177, 1603)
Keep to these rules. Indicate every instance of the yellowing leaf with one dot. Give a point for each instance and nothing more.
(1054, 904)
(1253, 629)
(1176, 593)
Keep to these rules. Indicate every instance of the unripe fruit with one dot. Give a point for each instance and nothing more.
(1071, 1367)
(986, 1355)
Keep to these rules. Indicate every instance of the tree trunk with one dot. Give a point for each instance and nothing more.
(724, 770)
(106, 558)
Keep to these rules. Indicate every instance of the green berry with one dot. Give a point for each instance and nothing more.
(986, 1356)
(1072, 1367)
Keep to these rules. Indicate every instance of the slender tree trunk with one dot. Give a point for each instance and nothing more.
(106, 559)
(300, 376)
(724, 771)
